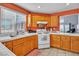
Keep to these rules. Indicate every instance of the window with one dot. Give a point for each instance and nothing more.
(11, 22)
(7, 22)
(21, 23)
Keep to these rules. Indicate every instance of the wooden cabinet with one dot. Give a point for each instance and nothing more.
(9, 45)
(19, 46)
(55, 41)
(18, 49)
(25, 45)
(65, 42)
(54, 21)
(22, 46)
(48, 19)
(35, 39)
(29, 40)
(34, 20)
(21, 49)
(75, 44)
(70, 43)
(36, 17)
(18, 41)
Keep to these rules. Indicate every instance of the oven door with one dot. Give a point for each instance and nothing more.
(43, 39)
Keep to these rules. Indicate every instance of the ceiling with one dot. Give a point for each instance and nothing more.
(48, 7)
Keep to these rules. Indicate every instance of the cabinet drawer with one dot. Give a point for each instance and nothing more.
(18, 41)
(56, 36)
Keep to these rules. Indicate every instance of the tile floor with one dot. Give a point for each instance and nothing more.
(56, 52)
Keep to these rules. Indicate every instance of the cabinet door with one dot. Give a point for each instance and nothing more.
(51, 40)
(54, 21)
(18, 50)
(35, 41)
(56, 41)
(29, 44)
(65, 42)
(75, 44)
(47, 19)
(26, 48)
(34, 20)
(9, 45)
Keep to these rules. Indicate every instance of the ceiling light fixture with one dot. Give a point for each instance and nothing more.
(67, 4)
(39, 7)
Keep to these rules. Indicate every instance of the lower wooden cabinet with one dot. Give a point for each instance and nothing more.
(9, 45)
(70, 43)
(75, 44)
(29, 42)
(65, 42)
(56, 42)
(35, 39)
(22, 46)
(18, 50)
(25, 47)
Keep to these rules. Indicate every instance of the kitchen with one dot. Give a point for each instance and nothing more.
(24, 32)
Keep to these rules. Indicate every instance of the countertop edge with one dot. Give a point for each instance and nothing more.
(4, 51)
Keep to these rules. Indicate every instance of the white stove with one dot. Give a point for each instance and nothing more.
(43, 39)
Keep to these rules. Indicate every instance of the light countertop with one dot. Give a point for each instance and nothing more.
(8, 38)
(68, 34)
(4, 51)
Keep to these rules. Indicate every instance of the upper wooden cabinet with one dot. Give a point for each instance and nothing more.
(75, 44)
(54, 21)
(48, 19)
(35, 18)
(65, 42)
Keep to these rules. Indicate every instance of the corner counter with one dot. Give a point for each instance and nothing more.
(5, 51)
(66, 41)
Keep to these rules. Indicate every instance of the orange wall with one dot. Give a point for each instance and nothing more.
(14, 7)
(67, 12)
